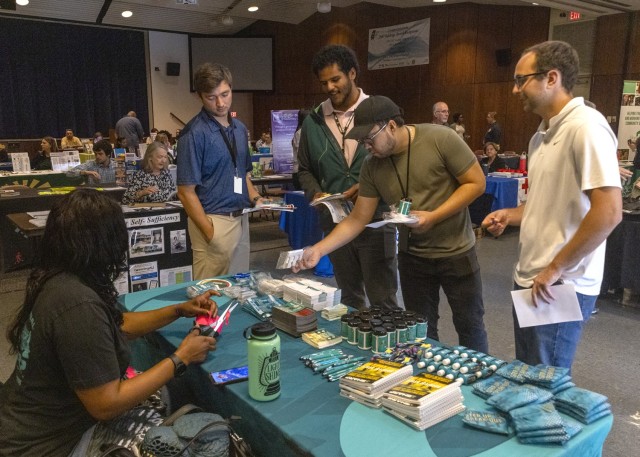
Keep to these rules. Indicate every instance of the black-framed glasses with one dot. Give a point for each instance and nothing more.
(369, 139)
(521, 80)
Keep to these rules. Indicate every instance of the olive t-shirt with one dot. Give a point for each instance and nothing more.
(438, 155)
(71, 341)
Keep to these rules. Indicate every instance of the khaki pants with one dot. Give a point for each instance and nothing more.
(226, 253)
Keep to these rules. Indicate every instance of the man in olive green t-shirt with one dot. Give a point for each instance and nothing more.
(433, 168)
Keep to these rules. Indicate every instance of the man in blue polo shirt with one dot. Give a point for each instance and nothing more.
(214, 183)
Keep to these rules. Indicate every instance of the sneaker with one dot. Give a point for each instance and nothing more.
(595, 310)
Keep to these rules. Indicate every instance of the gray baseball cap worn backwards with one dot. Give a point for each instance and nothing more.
(370, 112)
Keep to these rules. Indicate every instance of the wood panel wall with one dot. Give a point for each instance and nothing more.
(462, 70)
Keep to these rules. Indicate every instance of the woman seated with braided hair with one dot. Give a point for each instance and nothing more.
(70, 336)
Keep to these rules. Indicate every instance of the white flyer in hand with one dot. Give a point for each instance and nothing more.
(338, 206)
(565, 307)
(288, 259)
(394, 218)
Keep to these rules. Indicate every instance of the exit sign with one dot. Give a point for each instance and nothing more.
(574, 16)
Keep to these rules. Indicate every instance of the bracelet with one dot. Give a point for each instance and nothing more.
(178, 311)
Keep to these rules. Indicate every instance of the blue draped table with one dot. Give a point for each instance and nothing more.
(504, 191)
(310, 417)
(303, 228)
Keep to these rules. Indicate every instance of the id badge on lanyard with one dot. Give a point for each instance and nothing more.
(237, 183)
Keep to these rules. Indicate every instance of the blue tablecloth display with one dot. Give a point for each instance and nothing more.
(504, 190)
(310, 417)
(303, 229)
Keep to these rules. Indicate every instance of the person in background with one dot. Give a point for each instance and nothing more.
(331, 163)
(163, 139)
(494, 133)
(129, 127)
(264, 141)
(214, 179)
(69, 141)
(440, 113)
(97, 137)
(491, 158)
(573, 204)
(458, 126)
(295, 144)
(71, 337)
(152, 136)
(100, 171)
(43, 160)
(152, 184)
(436, 171)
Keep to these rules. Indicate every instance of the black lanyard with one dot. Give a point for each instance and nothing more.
(231, 146)
(405, 193)
(342, 130)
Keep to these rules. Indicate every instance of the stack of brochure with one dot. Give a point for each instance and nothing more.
(311, 293)
(321, 338)
(367, 383)
(424, 400)
(293, 318)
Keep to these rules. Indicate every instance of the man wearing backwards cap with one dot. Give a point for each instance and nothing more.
(434, 169)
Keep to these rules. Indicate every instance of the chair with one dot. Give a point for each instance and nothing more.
(480, 208)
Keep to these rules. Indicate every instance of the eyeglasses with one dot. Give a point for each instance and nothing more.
(521, 80)
(369, 139)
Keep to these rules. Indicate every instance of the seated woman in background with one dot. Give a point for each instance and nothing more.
(43, 160)
(491, 157)
(70, 336)
(152, 184)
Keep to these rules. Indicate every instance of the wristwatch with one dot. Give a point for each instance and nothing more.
(180, 367)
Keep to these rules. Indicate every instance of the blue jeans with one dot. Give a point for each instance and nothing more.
(459, 277)
(553, 344)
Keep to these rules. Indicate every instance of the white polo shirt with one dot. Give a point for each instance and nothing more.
(575, 154)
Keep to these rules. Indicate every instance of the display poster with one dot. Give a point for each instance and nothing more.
(65, 160)
(283, 126)
(178, 275)
(145, 242)
(178, 241)
(629, 122)
(20, 162)
(170, 218)
(143, 276)
(402, 45)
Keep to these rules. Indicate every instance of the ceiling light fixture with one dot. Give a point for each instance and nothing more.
(226, 20)
(439, 1)
(22, 2)
(127, 14)
(252, 9)
(324, 7)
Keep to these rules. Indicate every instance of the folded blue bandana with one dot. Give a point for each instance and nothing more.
(515, 371)
(491, 386)
(515, 397)
(580, 400)
(487, 421)
(536, 417)
(547, 376)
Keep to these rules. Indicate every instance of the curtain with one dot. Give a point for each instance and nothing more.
(56, 76)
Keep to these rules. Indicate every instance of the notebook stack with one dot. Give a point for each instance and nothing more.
(321, 338)
(367, 383)
(293, 318)
(424, 400)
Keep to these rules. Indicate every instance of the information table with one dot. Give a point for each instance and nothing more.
(504, 191)
(310, 418)
(39, 179)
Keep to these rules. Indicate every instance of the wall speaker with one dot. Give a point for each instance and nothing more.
(503, 57)
(173, 69)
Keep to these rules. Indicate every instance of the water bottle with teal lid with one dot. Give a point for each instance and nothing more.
(263, 349)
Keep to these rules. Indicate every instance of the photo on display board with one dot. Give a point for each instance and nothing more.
(178, 241)
(146, 242)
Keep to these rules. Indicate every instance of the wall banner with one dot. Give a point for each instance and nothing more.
(402, 45)
(283, 126)
(629, 121)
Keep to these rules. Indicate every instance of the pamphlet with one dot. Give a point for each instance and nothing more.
(337, 204)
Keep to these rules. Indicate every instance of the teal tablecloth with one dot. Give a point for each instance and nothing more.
(309, 417)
